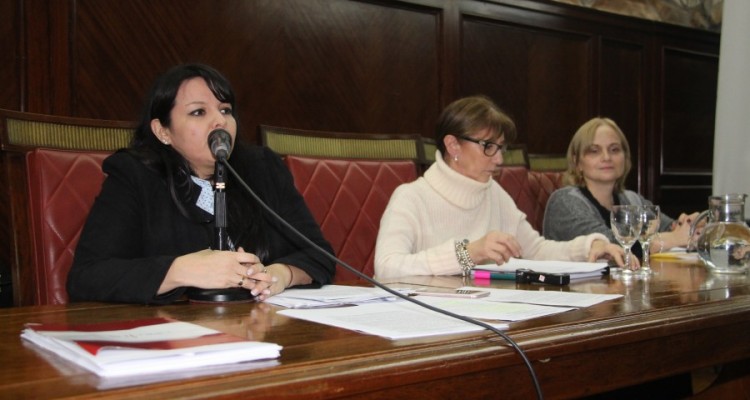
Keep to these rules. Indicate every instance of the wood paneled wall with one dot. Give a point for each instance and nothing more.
(385, 66)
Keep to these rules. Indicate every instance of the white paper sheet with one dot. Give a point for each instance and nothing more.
(393, 320)
(548, 298)
(330, 296)
(492, 310)
(400, 319)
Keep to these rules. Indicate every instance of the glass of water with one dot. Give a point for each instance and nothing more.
(651, 222)
(626, 222)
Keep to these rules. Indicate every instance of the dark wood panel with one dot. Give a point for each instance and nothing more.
(333, 65)
(689, 110)
(542, 78)
(35, 37)
(379, 66)
(621, 98)
(10, 73)
(675, 200)
(47, 62)
(10, 60)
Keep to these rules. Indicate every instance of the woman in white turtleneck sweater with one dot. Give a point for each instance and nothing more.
(456, 215)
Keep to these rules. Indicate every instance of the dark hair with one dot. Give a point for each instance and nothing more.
(471, 114)
(161, 98)
(247, 223)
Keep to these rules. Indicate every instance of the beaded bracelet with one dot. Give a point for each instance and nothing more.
(464, 260)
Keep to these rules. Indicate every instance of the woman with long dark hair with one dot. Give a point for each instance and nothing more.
(149, 233)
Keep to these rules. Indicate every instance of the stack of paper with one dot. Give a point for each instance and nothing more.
(145, 346)
(402, 319)
(393, 320)
(576, 270)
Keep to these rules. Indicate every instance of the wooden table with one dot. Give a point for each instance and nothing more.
(679, 319)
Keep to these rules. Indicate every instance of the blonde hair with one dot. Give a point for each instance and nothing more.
(582, 140)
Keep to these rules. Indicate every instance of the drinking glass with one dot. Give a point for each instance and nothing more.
(651, 221)
(626, 222)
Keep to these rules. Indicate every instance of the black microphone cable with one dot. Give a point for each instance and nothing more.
(333, 258)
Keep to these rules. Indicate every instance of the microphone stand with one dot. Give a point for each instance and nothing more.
(221, 242)
(220, 209)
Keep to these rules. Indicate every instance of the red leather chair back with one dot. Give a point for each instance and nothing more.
(347, 198)
(542, 184)
(515, 181)
(62, 186)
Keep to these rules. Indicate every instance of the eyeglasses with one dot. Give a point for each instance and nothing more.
(490, 149)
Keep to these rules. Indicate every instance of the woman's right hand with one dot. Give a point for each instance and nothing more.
(496, 246)
(211, 269)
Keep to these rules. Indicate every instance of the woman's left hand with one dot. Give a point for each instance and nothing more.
(262, 281)
(268, 280)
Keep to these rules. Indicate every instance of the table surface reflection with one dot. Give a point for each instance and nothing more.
(679, 318)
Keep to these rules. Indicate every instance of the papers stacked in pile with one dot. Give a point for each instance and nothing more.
(576, 269)
(376, 312)
(145, 346)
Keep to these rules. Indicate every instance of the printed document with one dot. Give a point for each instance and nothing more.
(403, 319)
(145, 346)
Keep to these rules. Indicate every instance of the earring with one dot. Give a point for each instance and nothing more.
(455, 158)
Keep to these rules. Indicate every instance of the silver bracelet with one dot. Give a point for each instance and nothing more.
(464, 260)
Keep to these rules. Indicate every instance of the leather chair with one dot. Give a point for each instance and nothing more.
(62, 188)
(347, 198)
(516, 156)
(548, 162)
(50, 175)
(515, 181)
(529, 188)
(371, 146)
(541, 186)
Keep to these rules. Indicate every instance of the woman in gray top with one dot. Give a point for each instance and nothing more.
(598, 163)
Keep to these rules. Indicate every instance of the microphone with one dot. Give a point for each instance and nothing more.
(220, 143)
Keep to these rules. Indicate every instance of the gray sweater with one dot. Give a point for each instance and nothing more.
(569, 214)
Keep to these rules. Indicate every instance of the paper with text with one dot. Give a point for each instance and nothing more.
(546, 297)
(402, 319)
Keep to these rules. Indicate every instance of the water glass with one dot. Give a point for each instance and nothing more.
(651, 222)
(626, 222)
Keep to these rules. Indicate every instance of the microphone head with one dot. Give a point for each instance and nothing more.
(220, 143)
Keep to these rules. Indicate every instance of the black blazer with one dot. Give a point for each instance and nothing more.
(135, 231)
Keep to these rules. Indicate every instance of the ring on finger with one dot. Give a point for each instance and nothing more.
(241, 282)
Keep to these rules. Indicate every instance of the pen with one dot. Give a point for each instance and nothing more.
(481, 274)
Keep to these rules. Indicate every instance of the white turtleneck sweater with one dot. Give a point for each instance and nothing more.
(424, 218)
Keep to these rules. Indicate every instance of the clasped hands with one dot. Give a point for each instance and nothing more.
(215, 269)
